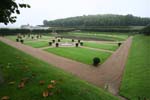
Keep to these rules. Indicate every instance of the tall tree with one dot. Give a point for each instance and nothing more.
(7, 10)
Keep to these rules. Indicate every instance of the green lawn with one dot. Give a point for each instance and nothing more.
(37, 44)
(98, 35)
(136, 79)
(111, 47)
(114, 36)
(12, 37)
(79, 54)
(16, 65)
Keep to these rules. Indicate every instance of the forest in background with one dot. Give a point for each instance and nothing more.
(99, 21)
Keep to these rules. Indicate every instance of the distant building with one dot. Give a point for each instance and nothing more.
(26, 26)
(33, 27)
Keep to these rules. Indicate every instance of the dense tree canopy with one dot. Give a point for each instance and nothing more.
(8, 9)
(99, 20)
(146, 30)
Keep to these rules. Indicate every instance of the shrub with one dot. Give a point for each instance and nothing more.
(61, 37)
(57, 44)
(119, 44)
(40, 36)
(77, 44)
(53, 41)
(22, 41)
(32, 37)
(96, 61)
(50, 43)
(72, 40)
(20, 37)
(58, 40)
(24, 35)
(17, 40)
(81, 43)
(146, 30)
(37, 36)
(28, 35)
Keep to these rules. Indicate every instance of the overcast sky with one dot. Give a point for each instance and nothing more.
(54, 9)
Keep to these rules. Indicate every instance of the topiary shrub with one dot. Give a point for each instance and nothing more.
(37, 36)
(53, 41)
(58, 40)
(40, 36)
(22, 41)
(81, 43)
(24, 35)
(20, 37)
(72, 40)
(57, 44)
(17, 40)
(28, 35)
(96, 61)
(77, 44)
(119, 44)
(50, 43)
(32, 37)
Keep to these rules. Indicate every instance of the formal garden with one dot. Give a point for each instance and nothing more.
(73, 48)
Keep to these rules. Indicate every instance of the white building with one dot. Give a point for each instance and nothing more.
(32, 27)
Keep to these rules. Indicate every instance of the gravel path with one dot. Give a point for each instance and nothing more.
(108, 75)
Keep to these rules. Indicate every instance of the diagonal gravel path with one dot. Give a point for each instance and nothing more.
(108, 75)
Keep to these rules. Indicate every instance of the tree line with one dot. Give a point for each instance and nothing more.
(98, 20)
(8, 31)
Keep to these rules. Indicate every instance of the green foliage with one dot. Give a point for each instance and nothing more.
(50, 43)
(6, 31)
(22, 41)
(99, 20)
(136, 79)
(17, 65)
(119, 44)
(96, 61)
(7, 10)
(146, 30)
(57, 44)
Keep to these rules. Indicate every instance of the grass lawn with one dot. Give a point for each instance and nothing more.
(136, 79)
(37, 44)
(16, 66)
(115, 36)
(79, 54)
(12, 37)
(99, 35)
(111, 47)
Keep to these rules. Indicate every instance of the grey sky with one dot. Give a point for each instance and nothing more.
(54, 9)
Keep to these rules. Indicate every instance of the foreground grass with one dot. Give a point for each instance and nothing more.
(136, 79)
(79, 54)
(111, 47)
(16, 65)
